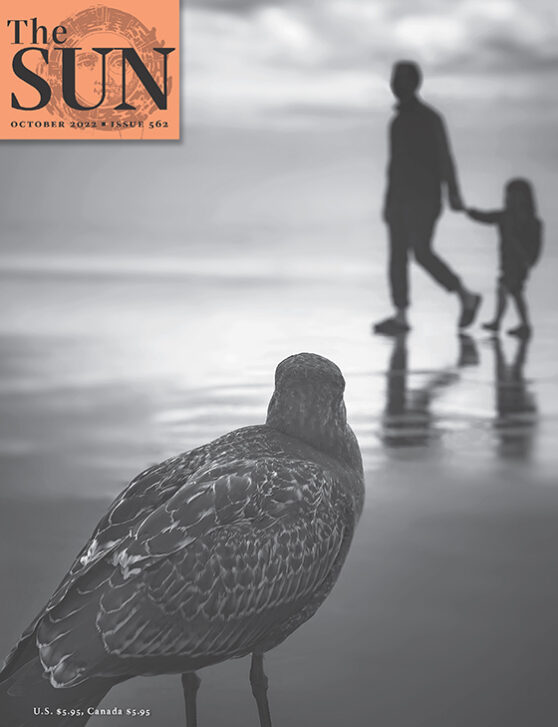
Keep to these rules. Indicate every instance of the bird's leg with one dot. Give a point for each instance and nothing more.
(258, 680)
(190, 685)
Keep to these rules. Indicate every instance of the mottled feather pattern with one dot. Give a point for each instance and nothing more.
(266, 529)
(215, 553)
(144, 493)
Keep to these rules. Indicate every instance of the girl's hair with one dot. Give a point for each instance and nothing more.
(524, 188)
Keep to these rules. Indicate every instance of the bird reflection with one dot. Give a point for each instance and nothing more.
(516, 407)
(408, 420)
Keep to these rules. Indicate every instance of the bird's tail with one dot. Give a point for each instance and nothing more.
(27, 698)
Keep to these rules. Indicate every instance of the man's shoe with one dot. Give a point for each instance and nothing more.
(391, 327)
(469, 312)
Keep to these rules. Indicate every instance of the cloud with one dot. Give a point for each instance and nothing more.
(246, 59)
(235, 7)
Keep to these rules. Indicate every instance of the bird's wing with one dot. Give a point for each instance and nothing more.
(213, 572)
(145, 493)
(210, 571)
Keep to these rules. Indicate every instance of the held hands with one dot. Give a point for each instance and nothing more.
(455, 201)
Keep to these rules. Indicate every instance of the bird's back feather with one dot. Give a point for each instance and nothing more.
(204, 557)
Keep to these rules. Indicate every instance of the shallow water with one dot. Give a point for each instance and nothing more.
(445, 611)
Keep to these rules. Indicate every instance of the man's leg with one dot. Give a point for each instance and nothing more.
(398, 278)
(421, 231)
(422, 234)
(399, 265)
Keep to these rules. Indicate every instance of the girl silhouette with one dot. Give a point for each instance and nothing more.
(520, 246)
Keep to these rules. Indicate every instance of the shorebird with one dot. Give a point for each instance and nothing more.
(217, 553)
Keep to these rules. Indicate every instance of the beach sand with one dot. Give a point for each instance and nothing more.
(445, 613)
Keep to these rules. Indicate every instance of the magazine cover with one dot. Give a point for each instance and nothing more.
(278, 390)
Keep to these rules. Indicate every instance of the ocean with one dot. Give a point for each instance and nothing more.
(121, 346)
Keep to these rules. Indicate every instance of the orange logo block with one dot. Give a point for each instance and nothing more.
(70, 70)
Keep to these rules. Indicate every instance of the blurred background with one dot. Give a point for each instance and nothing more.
(148, 290)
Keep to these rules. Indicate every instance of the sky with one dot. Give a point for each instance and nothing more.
(285, 113)
(262, 62)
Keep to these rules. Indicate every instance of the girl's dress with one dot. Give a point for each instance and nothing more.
(520, 246)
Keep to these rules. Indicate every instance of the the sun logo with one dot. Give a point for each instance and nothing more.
(101, 68)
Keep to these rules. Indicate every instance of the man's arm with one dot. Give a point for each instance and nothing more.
(488, 217)
(446, 164)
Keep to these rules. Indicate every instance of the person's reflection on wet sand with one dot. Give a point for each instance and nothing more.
(516, 407)
(408, 420)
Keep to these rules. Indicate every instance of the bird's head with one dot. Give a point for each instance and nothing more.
(308, 404)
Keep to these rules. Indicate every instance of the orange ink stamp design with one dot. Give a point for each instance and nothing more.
(72, 70)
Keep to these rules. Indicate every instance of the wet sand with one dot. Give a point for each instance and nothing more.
(445, 613)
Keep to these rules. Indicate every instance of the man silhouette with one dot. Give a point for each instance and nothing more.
(420, 164)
